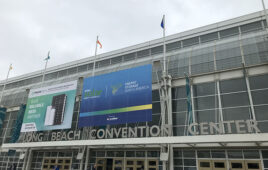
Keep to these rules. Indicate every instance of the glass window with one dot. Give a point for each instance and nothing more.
(189, 168)
(82, 68)
(156, 108)
(129, 57)
(237, 165)
(177, 153)
(205, 67)
(153, 154)
(155, 120)
(62, 73)
(178, 168)
(263, 126)
(251, 154)
(100, 153)
(72, 70)
(130, 153)
(204, 164)
(209, 37)
(204, 89)
(219, 164)
(157, 50)
(179, 118)
(180, 130)
(260, 97)
(190, 41)
(110, 153)
(90, 66)
(155, 95)
(233, 85)
(235, 154)
(140, 154)
(143, 53)
(258, 82)
(179, 92)
(203, 154)
(103, 63)
(177, 161)
(265, 154)
(116, 60)
(228, 58)
(189, 162)
(202, 103)
(261, 112)
(265, 162)
(173, 46)
(229, 32)
(207, 116)
(242, 113)
(253, 166)
(251, 27)
(189, 154)
(218, 154)
(179, 105)
(235, 99)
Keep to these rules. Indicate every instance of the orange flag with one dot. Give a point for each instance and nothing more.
(99, 43)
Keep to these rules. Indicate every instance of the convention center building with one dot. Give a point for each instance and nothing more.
(196, 100)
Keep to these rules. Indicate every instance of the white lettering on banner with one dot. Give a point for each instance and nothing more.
(241, 126)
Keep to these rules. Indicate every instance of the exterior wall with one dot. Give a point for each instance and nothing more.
(228, 69)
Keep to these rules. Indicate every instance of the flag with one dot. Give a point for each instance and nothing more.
(10, 67)
(98, 42)
(18, 124)
(16, 130)
(163, 22)
(48, 57)
(2, 115)
(189, 101)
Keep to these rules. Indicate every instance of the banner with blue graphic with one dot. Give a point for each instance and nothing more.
(117, 98)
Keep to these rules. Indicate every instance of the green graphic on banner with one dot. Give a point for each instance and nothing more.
(50, 108)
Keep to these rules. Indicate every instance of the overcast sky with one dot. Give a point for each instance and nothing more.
(68, 28)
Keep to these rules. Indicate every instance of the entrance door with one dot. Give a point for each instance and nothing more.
(130, 164)
(100, 164)
(135, 164)
(61, 163)
(237, 165)
(212, 164)
(219, 165)
(204, 165)
(118, 164)
(152, 164)
(140, 164)
(252, 165)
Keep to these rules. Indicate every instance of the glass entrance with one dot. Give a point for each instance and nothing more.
(127, 164)
(100, 164)
(57, 163)
(245, 165)
(233, 164)
(135, 164)
(212, 165)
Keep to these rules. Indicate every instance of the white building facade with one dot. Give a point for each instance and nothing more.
(226, 64)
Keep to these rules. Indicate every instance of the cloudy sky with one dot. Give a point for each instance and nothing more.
(68, 28)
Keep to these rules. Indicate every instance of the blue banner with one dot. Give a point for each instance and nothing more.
(117, 98)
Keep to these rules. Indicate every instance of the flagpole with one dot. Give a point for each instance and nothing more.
(94, 63)
(164, 44)
(44, 72)
(10, 67)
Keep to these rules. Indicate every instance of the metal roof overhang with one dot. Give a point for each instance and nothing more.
(230, 140)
